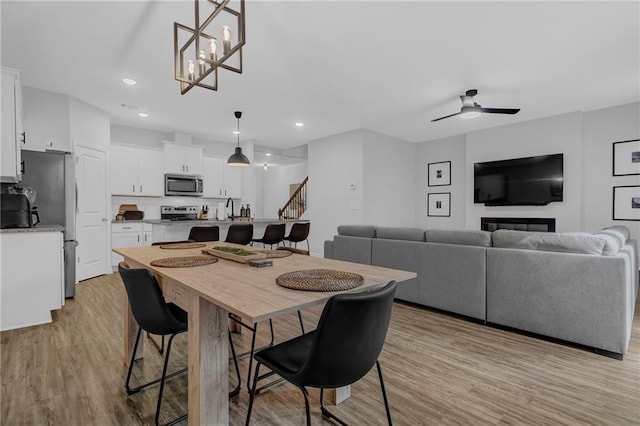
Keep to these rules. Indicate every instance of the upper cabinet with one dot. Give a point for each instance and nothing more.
(220, 180)
(137, 172)
(46, 120)
(12, 133)
(182, 159)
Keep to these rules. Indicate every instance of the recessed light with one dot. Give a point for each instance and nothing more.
(129, 81)
(268, 154)
(143, 114)
(236, 132)
(299, 124)
(266, 166)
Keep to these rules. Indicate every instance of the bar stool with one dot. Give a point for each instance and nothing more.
(204, 233)
(299, 232)
(240, 234)
(273, 234)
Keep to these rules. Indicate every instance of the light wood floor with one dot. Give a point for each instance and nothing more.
(439, 370)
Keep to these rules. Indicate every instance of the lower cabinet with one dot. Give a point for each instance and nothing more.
(32, 277)
(129, 235)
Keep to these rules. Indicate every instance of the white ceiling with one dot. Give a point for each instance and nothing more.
(387, 66)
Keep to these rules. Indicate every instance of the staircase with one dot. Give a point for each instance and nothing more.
(297, 204)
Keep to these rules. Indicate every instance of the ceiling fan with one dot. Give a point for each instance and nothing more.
(470, 109)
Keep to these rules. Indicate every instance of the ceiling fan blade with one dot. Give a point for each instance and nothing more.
(500, 110)
(446, 116)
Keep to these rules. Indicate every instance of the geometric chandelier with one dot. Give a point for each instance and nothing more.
(216, 42)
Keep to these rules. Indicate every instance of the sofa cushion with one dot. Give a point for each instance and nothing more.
(549, 241)
(365, 231)
(626, 234)
(618, 234)
(613, 242)
(407, 234)
(459, 236)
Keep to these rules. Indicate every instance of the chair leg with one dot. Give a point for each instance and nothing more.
(384, 393)
(301, 323)
(306, 404)
(235, 390)
(133, 356)
(252, 394)
(159, 346)
(308, 249)
(162, 380)
(326, 413)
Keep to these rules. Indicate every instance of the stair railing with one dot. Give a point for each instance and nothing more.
(297, 203)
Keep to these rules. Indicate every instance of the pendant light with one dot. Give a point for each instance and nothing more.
(238, 158)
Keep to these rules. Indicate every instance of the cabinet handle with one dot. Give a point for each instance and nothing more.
(145, 238)
(134, 188)
(138, 237)
(50, 144)
(22, 167)
(126, 227)
(24, 137)
(187, 166)
(141, 189)
(225, 192)
(220, 192)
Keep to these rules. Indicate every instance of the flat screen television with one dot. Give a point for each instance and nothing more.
(532, 181)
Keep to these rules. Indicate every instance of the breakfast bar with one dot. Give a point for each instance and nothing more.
(210, 292)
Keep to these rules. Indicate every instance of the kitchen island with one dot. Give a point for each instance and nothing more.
(167, 230)
(32, 275)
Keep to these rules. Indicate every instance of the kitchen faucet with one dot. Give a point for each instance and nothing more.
(230, 199)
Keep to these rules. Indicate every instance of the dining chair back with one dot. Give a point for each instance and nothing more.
(273, 234)
(240, 234)
(204, 233)
(344, 347)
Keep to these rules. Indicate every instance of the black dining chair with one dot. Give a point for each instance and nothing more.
(240, 234)
(340, 351)
(156, 316)
(273, 234)
(204, 233)
(299, 232)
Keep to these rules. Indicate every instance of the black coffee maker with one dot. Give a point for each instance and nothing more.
(16, 212)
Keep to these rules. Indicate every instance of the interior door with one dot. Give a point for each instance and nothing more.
(91, 178)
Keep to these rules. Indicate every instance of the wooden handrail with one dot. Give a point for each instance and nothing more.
(297, 203)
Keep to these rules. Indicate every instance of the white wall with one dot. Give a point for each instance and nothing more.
(89, 125)
(600, 129)
(335, 186)
(389, 180)
(448, 149)
(553, 135)
(275, 183)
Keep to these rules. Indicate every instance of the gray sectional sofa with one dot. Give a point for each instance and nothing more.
(577, 287)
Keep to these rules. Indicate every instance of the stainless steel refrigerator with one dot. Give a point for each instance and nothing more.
(52, 175)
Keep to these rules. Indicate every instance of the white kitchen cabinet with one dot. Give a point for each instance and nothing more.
(136, 171)
(28, 292)
(182, 159)
(220, 180)
(133, 234)
(46, 120)
(12, 132)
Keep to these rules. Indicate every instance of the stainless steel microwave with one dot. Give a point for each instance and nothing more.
(188, 185)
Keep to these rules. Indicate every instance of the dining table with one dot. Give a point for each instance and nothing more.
(209, 293)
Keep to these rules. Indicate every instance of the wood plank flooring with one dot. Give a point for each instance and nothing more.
(439, 370)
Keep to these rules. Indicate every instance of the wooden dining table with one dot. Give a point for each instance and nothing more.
(210, 292)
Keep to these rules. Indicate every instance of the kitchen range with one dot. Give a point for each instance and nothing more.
(179, 213)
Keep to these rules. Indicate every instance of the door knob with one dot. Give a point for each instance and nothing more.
(104, 219)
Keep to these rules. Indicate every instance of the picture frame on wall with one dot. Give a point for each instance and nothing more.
(439, 174)
(439, 204)
(626, 158)
(626, 202)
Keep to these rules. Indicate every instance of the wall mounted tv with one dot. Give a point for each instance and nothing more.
(532, 181)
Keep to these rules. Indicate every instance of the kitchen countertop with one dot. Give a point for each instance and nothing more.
(218, 222)
(37, 228)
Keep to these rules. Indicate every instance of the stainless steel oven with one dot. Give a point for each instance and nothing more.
(188, 185)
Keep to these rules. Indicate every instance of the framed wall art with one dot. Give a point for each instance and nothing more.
(439, 204)
(626, 158)
(626, 202)
(439, 174)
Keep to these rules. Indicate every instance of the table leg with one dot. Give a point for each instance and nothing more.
(208, 363)
(130, 330)
(336, 396)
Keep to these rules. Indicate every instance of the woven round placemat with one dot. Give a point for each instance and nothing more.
(320, 280)
(178, 246)
(184, 261)
(272, 254)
